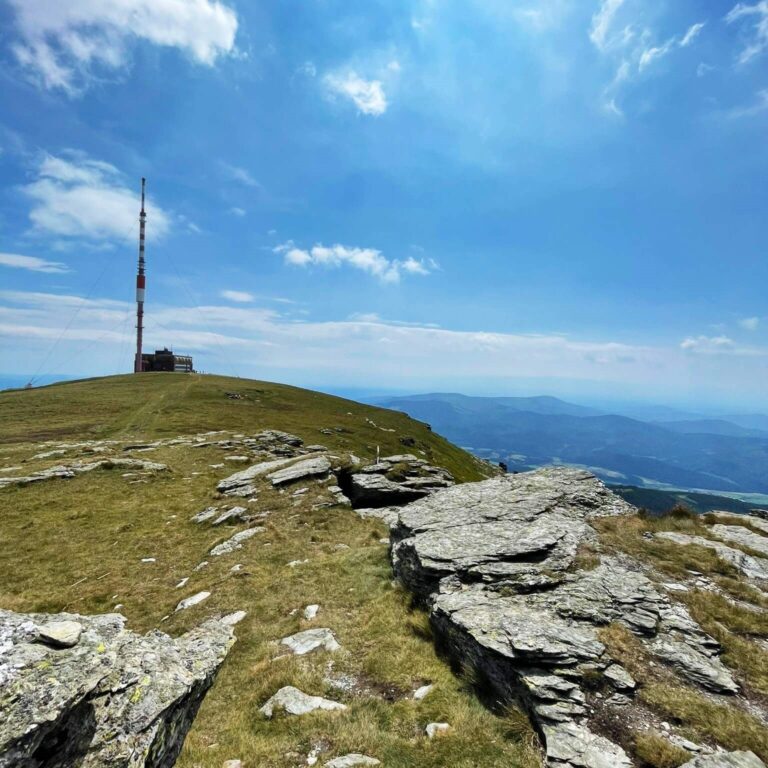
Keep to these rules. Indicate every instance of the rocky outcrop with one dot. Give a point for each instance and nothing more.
(394, 480)
(84, 691)
(80, 467)
(730, 760)
(497, 564)
(752, 567)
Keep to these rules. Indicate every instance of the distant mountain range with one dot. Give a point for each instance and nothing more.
(663, 450)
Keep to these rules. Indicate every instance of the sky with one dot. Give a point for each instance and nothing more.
(488, 196)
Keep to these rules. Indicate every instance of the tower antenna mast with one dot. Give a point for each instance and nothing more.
(140, 285)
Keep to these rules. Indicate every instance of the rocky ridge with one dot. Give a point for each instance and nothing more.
(497, 563)
(501, 566)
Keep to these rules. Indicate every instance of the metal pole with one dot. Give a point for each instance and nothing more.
(140, 285)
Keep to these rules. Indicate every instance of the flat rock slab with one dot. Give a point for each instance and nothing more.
(114, 698)
(245, 476)
(311, 640)
(315, 467)
(236, 542)
(752, 567)
(206, 514)
(351, 761)
(295, 702)
(737, 534)
(495, 563)
(60, 634)
(727, 760)
(233, 515)
(193, 600)
(71, 470)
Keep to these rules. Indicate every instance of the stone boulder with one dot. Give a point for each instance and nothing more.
(292, 701)
(394, 480)
(105, 697)
(727, 760)
(496, 563)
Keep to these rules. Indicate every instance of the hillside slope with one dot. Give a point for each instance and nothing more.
(122, 538)
(156, 405)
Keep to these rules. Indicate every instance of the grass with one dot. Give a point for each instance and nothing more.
(702, 718)
(654, 751)
(626, 534)
(156, 405)
(77, 545)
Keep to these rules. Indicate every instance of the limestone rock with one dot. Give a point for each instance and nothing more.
(310, 612)
(436, 729)
(295, 702)
(495, 563)
(377, 491)
(388, 515)
(194, 600)
(727, 760)
(314, 467)
(244, 477)
(422, 692)
(236, 542)
(310, 640)
(206, 514)
(233, 515)
(233, 618)
(570, 744)
(60, 634)
(115, 698)
(743, 536)
(752, 567)
(352, 760)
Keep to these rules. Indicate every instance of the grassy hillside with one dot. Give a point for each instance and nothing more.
(81, 544)
(156, 405)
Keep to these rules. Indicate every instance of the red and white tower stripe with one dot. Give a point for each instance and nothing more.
(140, 285)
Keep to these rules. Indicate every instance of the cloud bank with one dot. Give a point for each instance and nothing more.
(62, 42)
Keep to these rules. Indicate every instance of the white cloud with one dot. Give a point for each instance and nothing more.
(248, 340)
(235, 211)
(61, 42)
(367, 260)
(76, 196)
(31, 263)
(649, 55)
(367, 95)
(241, 297)
(758, 14)
(693, 32)
(351, 348)
(708, 345)
(750, 323)
(703, 69)
(241, 175)
(414, 266)
(602, 22)
(632, 51)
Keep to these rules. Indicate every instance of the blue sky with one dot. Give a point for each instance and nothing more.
(491, 196)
